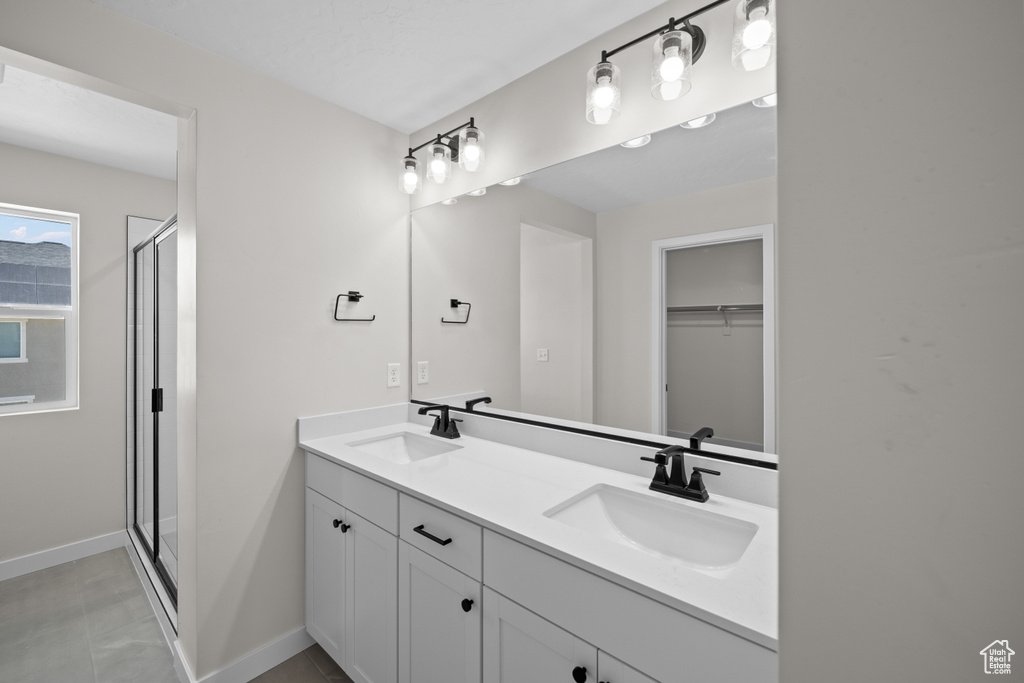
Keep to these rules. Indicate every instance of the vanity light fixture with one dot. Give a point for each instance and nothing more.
(463, 144)
(678, 46)
(698, 122)
(512, 181)
(753, 35)
(766, 101)
(477, 193)
(636, 142)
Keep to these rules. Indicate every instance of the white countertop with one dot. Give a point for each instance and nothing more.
(508, 489)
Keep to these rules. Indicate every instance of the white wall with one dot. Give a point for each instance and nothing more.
(623, 277)
(62, 474)
(470, 252)
(283, 222)
(556, 314)
(901, 386)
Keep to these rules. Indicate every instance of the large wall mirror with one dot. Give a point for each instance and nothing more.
(546, 295)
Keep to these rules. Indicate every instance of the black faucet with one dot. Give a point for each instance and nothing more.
(470, 404)
(443, 424)
(674, 482)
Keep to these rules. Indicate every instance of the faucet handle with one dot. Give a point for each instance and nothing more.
(696, 484)
(660, 458)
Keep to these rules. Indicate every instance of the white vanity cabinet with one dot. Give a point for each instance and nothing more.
(399, 589)
(439, 595)
(352, 571)
(520, 646)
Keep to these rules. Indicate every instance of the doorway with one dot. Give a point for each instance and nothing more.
(713, 336)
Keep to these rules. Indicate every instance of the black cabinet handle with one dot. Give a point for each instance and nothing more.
(344, 527)
(579, 674)
(467, 605)
(431, 536)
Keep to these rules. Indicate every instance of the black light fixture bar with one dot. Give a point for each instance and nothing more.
(431, 141)
(670, 26)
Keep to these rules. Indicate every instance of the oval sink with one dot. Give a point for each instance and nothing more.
(404, 447)
(696, 537)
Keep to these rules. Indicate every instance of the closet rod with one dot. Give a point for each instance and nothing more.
(716, 309)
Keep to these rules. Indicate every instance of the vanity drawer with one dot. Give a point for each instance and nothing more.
(463, 551)
(365, 497)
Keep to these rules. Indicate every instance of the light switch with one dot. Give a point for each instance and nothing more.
(542, 355)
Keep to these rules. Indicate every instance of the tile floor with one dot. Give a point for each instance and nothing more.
(90, 621)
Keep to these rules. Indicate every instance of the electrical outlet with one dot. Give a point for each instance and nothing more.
(542, 355)
(394, 374)
(422, 372)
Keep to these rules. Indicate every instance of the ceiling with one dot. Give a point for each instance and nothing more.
(403, 63)
(739, 146)
(52, 116)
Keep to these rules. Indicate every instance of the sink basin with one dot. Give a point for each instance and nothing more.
(404, 447)
(665, 528)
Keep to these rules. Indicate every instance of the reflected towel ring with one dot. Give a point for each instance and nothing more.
(455, 303)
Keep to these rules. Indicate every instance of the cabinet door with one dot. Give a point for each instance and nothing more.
(439, 633)
(519, 646)
(611, 670)
(325, 574)
(371, 617)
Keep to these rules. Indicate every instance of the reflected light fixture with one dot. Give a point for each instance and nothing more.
(463, 144)
(698, 122)
(512, 181)
(477, 193)
(450, 201)
(636, 142)
(753, 35)
(766, 101)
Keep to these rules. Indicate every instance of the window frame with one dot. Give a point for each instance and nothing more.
(70, 315)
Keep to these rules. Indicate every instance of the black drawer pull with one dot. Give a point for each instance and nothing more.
(467, 605)
(579, 674)
(344, 527)
(431, 536)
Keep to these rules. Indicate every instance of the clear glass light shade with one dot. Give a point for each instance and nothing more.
(673, 62)
(753, 35)
(471, 149)
(439, 162)
(604, 94)
(411, 179)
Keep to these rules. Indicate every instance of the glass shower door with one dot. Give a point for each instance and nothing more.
(155, 429)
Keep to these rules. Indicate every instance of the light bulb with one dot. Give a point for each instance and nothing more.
(472, 153)
(409, 181)
(758, 31)
(672, 67)
(670, 90)
(471, 149)
(438, 169)
(604, 94)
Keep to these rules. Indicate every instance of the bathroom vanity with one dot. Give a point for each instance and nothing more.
(488, 558)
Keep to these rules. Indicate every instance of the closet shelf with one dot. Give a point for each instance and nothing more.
(723, 308)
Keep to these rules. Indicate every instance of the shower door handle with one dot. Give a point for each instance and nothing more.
(157, 400)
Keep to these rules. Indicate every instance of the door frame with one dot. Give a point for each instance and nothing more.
(659, 318)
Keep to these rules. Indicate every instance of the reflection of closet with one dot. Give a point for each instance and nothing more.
(714, 342)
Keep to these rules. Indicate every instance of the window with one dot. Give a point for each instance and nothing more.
(38, 309)
(12, 341)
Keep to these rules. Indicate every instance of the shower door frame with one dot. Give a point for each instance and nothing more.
(152, 545)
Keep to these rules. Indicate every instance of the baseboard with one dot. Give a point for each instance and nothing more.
(61, 554)
(251, 665)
